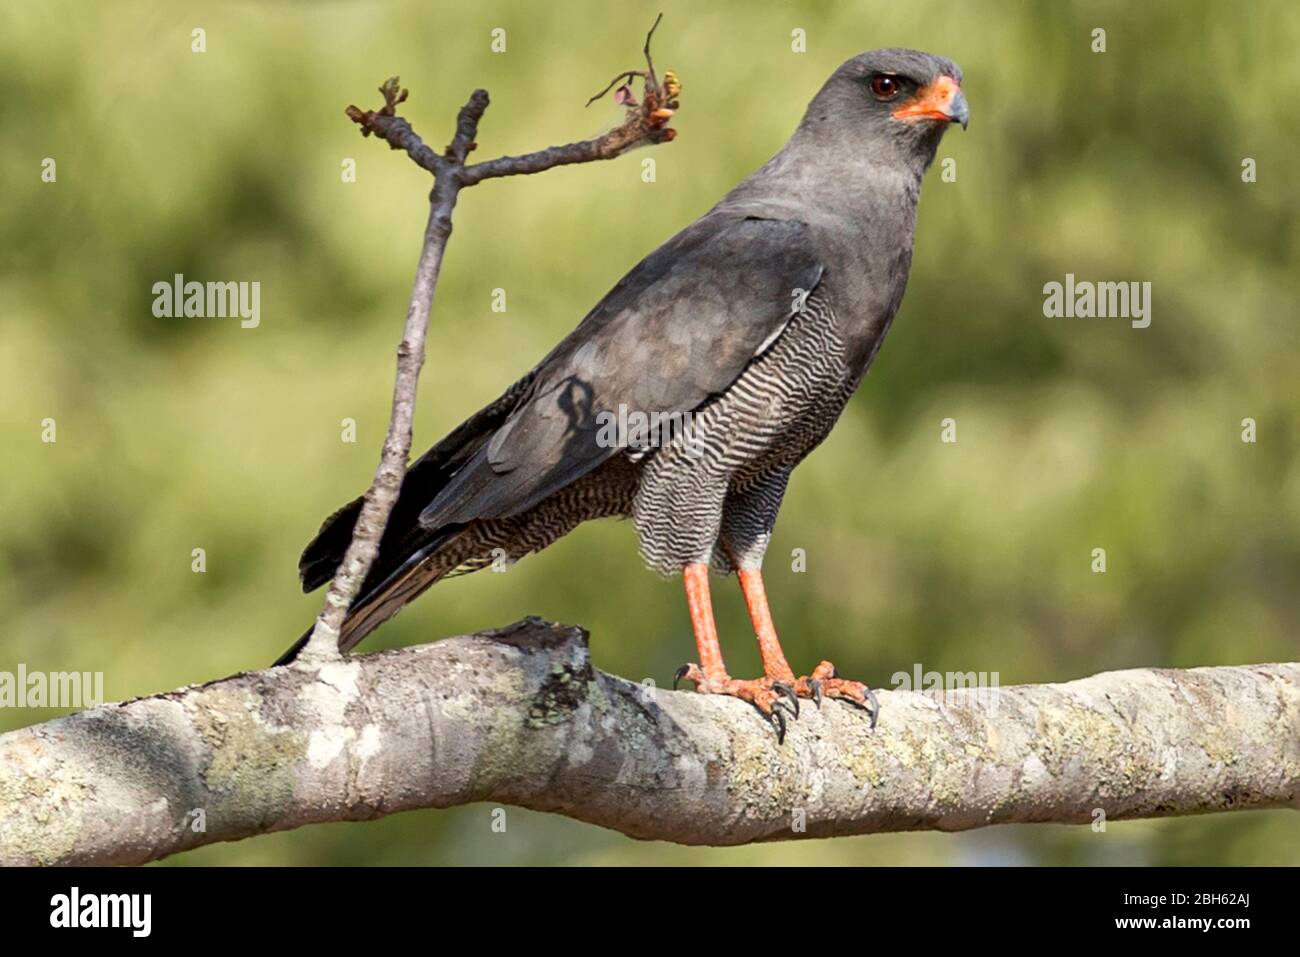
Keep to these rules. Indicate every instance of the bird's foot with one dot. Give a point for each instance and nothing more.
(825, 683)
(775, 700)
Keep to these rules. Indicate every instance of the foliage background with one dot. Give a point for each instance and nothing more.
(180, 433)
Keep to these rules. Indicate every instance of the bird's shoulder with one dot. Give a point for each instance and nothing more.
(704, 303)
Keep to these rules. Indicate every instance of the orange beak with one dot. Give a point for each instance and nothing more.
(941, 100)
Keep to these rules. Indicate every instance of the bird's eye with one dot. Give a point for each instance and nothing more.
(885, 87)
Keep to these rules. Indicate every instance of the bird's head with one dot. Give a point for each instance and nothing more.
(892, 104)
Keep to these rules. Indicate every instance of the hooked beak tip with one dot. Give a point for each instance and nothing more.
(959, 110)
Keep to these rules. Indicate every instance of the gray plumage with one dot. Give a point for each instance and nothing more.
(755, 325)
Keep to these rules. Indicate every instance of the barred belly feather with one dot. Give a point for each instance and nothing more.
(712, 494)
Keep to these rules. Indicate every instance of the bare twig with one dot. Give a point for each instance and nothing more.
(608, 146)
(645, 123)
(649, 63)
(521, 717)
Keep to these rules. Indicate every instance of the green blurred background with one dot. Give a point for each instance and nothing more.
(183, 433)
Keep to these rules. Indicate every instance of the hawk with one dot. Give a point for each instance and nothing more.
(739, 341)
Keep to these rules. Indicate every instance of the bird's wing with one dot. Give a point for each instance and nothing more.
(679, 328)
(425, 478)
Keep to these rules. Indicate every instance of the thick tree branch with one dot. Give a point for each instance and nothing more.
(520, 717)
(645, 123)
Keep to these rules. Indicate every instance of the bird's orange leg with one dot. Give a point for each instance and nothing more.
(822, 681)
(774, 663)
(700, 602)
(710, 676)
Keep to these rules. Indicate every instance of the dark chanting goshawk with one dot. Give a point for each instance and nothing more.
(753, 325)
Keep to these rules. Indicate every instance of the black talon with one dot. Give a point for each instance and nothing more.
(777, 717)
(784, 689)
(817, 692)
(875, 706)
(681, 673)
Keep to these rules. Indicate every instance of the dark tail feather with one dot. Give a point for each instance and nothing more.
(397, 577)
(425, 478)
(323, 553)
(380, 601)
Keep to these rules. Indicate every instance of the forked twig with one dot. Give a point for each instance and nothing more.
(646, 122)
